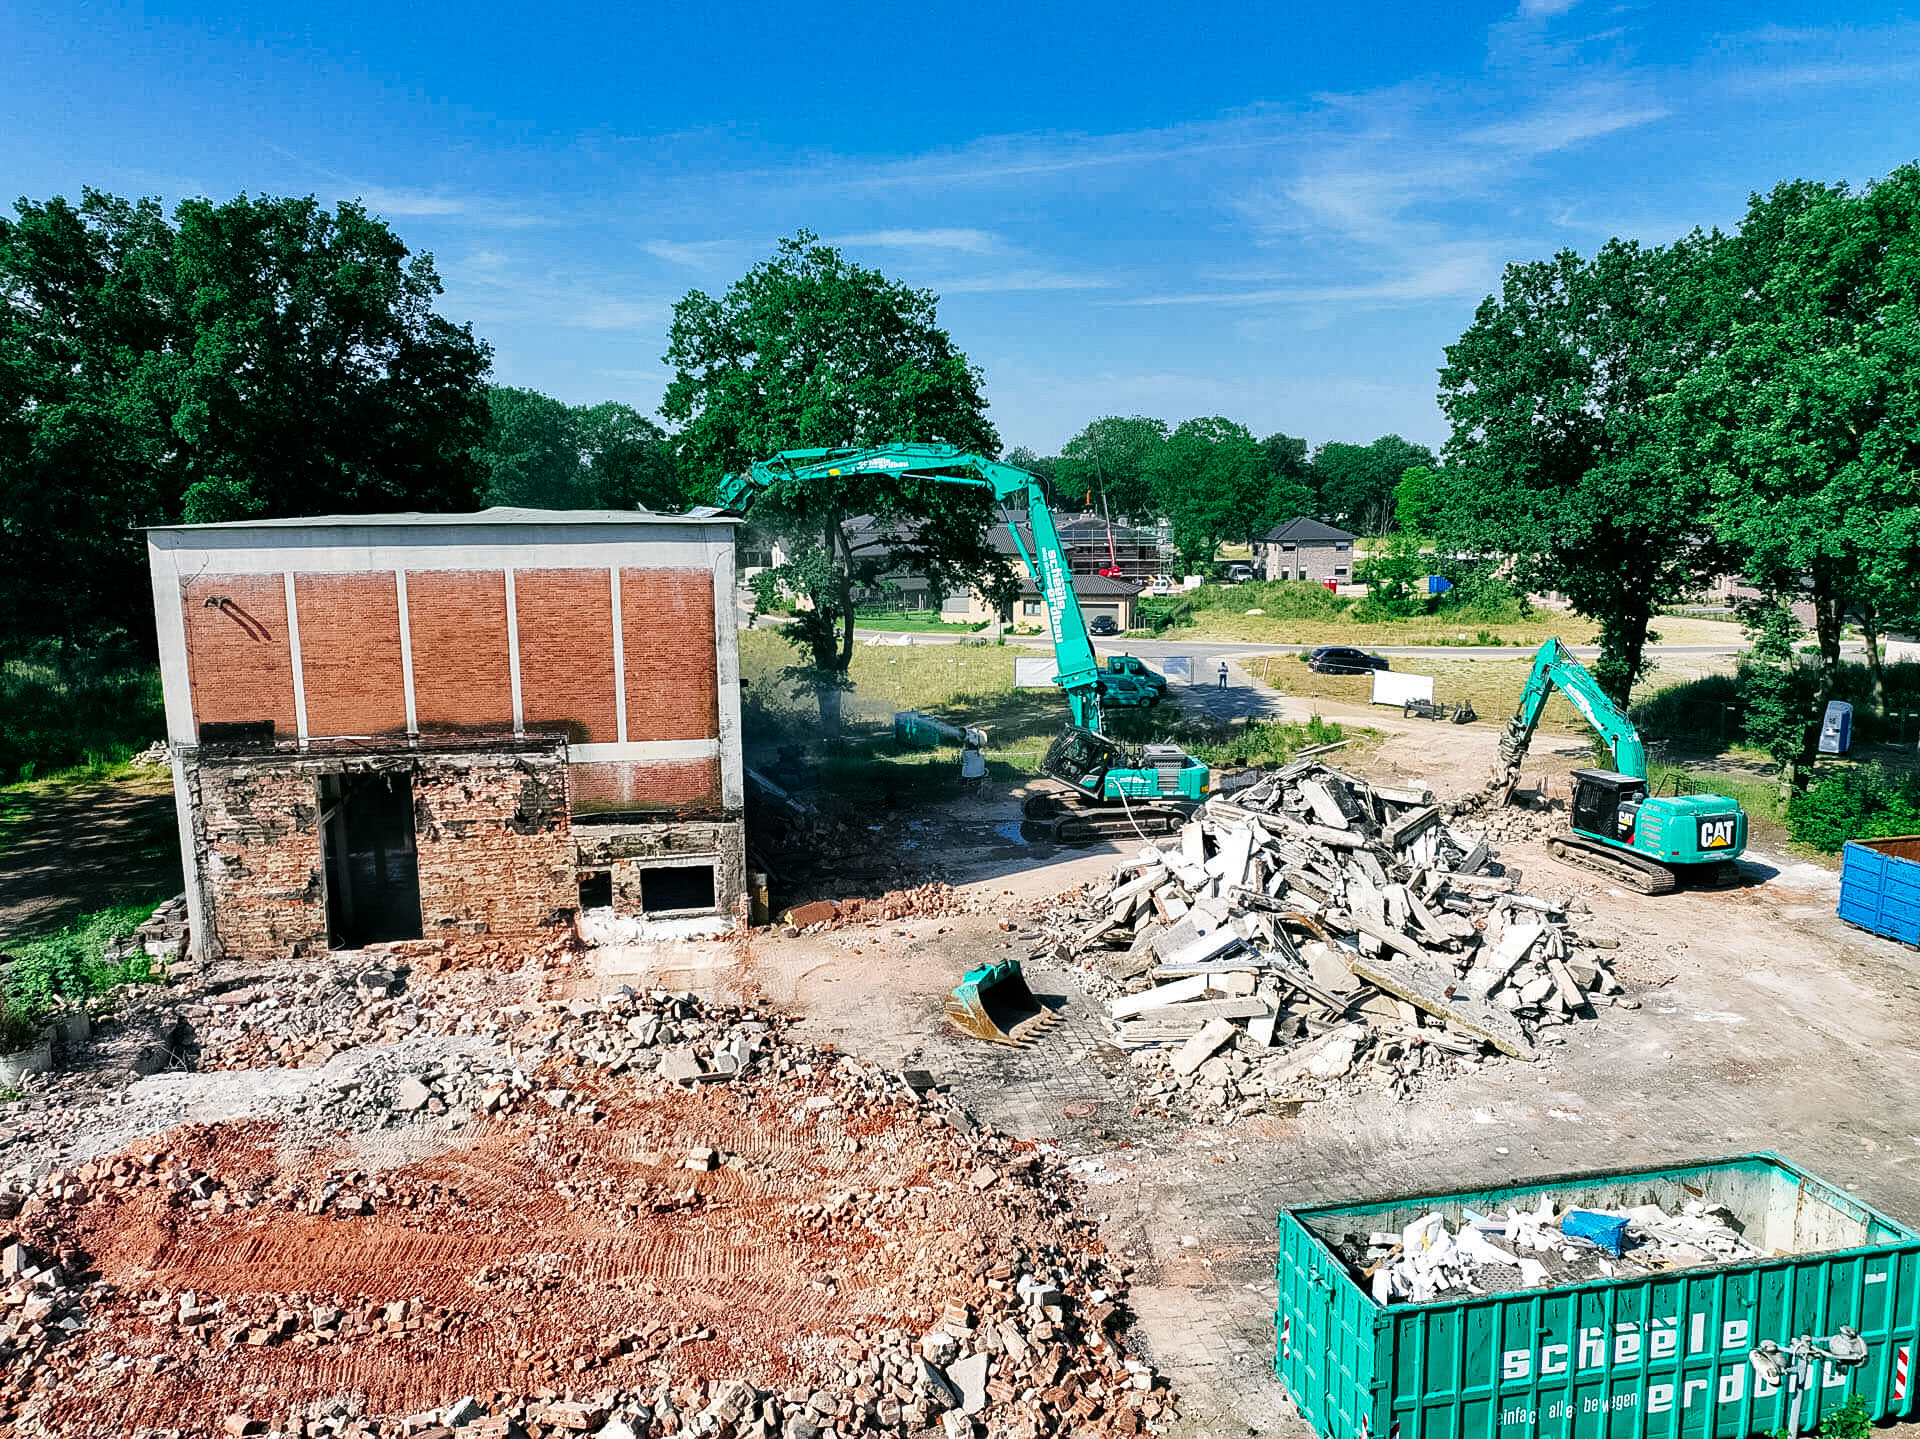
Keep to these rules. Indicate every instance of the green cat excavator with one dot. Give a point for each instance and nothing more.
(1646, 842)
(1121, 789)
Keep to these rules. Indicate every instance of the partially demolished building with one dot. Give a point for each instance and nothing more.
(402, 726)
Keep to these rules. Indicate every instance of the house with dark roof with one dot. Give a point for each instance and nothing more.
(1305, 549)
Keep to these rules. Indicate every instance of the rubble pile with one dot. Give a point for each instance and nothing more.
(670, 1217)
(1314, 926)
(1548, 1245)
(936, 900)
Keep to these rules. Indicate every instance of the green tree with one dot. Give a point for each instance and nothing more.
(809, 350)
(1110, 458)
(259, 357)
(629, 460)
(1773, 688)
(316, 375)
(1032, 463)
(1420, 501)
(1210, 480)
(1356, 483)
(532, 452)
(1805, 414)
(1290, 491)
(1563, 456)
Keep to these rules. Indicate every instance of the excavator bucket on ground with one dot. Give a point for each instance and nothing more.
(994, 1003)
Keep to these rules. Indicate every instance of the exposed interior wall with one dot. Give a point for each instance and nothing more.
(492, 829)
(627, 851)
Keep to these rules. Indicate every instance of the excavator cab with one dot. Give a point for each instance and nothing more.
(1605, 804)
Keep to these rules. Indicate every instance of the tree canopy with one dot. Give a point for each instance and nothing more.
(260, 357)
(544, 454)
(1561, 456)
(809, 350)
(1356, 483)
(1210, 479)
(1107, 461)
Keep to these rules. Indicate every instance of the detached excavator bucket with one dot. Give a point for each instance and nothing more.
(994, 1003)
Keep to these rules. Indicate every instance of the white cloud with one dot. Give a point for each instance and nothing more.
(969, 242)
(694, 255)
(1545, 9)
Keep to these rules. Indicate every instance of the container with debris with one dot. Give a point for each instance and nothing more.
(1501, 1318)
(1880, 886)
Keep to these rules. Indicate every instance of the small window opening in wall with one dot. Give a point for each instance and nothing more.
(596, 888)
(373, 870)
(686, 886)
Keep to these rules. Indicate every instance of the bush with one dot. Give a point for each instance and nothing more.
(1277, 599)
(1869, 802)
(59, 709)
(1265, 742)
(71, 963)
(1705, 711)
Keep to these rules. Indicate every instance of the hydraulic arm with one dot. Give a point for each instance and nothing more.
(1554, 667)
(1084, 757)
(1047, 562)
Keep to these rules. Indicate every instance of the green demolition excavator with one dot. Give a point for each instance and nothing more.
(1121, 788)
(1646, 842)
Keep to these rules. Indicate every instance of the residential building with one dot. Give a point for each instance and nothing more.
(405, 726)
(1305, 549)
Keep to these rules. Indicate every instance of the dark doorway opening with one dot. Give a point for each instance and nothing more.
(672, 887)
(373, 869)
(596, 888)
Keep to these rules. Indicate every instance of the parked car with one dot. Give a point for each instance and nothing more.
(1104, 625)
(1125, 692)
(1344, 660)
(1237, 574)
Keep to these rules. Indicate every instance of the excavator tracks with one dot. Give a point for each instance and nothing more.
(1648, 876)
(1065, 823)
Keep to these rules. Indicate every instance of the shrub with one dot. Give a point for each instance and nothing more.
(1869, 802)
(71, 963)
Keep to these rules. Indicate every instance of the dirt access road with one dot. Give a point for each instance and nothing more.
(1763, 1023)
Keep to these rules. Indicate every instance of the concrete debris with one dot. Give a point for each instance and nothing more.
(1551, 1244)
(1314, 927)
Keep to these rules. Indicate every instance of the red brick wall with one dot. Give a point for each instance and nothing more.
(566, 653)
(666, 619)
(257, 830)
(457, 621)
(239, 660)
(495, 845)
(496, 848)
(675, 784)
(350, 653)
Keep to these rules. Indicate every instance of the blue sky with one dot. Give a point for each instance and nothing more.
(1280, 214)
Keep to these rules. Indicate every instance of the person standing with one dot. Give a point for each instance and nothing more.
(1223, 674)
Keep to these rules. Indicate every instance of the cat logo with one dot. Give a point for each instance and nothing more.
(1718, 831)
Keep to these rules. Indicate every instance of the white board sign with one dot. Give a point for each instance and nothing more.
(1034, 672)
(1178, 669)
(1396, 689)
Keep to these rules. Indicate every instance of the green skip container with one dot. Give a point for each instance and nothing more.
(1623, 1358)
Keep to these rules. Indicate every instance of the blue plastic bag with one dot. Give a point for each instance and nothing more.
(1609, 1231)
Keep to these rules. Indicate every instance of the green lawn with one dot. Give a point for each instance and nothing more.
(911, 622)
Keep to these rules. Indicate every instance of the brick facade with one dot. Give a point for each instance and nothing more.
(692, 784)
(238, 654)
(462, 676)
(672, 692)
(495, 845)
(350, 654)
(480, 656)
(566, 653)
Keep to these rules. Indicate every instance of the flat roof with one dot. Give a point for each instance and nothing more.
(497, 515)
